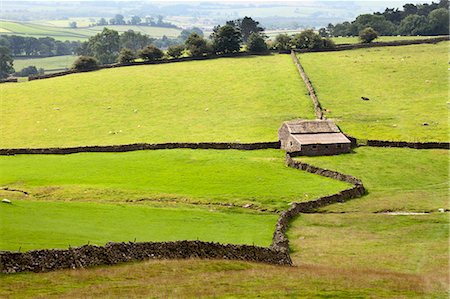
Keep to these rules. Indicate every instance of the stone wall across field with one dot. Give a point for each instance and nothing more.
(9, 80)
(280, 241)
(114, 253)
(378, 44)
(416, 145)
(142, 146)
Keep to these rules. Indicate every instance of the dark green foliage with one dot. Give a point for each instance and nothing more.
(420, 19)
(197, 45)
(27, 71)
(282, 42)
(246, 26)
(6, 62)
(104, 46)
(175, 51)
(367, 35)
(38, 47)
(134, 40)
(126, 56)
(307, 39)
(186, 32)
(256, 43)
(226, 39)
(151, 53)
(413, 25)
(438, 21)
(85, 63)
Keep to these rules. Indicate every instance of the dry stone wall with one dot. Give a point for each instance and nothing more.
(141, 146)
(114, 253)
(280, 241)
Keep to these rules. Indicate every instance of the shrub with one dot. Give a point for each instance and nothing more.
(175, 51)
(151, 53)
(307, 39)
(197, 45)
(327, 43)
(367, 35)
(256, 43)
(282, 42)
(126, 56)
(85, 63)
(27, 71)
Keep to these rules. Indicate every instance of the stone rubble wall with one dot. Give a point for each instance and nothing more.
(280, 241)
(114, 253)
(142, 146)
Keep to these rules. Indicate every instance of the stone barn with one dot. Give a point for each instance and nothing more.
(313, 138)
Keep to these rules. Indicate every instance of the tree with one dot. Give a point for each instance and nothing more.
(6, 62)
(27, 71)
(307, 39)
(73, 24)
(175, 51)
(367, 35)
(247, 26)
(438, 21)
(102, 22)
(151, 53)
(126, 56)
(134, 40)
(135, 20)
(104, 46)
(186, 32)
(197, 45)
(413, 25)
(377, 22)
(323, 32)
(226, 39)
(85, 63)
(117, 20)
(283, 42)
(256, 43)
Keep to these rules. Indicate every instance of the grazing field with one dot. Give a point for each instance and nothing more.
(200, 278)
(47, 63)
(397, 179)
(45, 224)
(407, 89)
(228, 99)
(83, 33)
(205, 176)
(355, 40)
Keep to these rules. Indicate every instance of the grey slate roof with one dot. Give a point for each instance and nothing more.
(311, 126)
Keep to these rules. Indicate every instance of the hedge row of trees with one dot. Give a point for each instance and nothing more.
(307, 39)
(38, 47)
(421, 19)
(136, 20)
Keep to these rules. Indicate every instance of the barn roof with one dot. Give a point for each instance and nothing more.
(323, 138)
(311, 126)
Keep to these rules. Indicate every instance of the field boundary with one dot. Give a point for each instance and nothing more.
(114, 253)
(345, 47)
(414, 145)
(312, 93)
(280, 241)
(140, 146)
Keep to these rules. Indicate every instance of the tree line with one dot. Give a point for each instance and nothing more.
(38, 47)
(136, 20)
(420, 19)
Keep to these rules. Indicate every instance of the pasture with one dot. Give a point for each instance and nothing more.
(355, 39)
(48, 224)
(57, 32)
(204, 176)
(406, 87)
(397, 179)
(47, 63)
(229, 100)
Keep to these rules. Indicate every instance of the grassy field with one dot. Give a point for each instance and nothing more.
(83, 33)
(407, 88)
(44, 224)
(205, 176)
(355, 40)
(229, 99)
(47, 63)
(397, 179)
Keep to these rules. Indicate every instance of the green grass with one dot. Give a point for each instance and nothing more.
(229, 99)
(407, 87)
(46, 224)
(47, 63)
(355, 40)
(397, 179)
(31, 29)
(239, 177)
